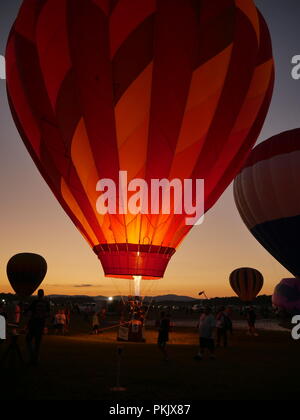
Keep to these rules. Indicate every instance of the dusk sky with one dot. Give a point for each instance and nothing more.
(33, 221)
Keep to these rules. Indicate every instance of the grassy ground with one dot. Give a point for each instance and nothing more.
(83, 367)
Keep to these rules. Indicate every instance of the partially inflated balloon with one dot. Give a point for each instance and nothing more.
(26, 272)
(267, 196)
(161, 89)
(246, 283)
(286, 295)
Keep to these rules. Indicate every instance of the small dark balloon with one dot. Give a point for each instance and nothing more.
(26, 272)
(246, 283)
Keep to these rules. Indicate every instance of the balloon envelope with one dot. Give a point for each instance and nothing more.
(267, 196)
(287, 295)
(26, 272)
(161, 89)
(246, 283)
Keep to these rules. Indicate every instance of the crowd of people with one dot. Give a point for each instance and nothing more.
(213, 326)
(40, 318)
(213, 330)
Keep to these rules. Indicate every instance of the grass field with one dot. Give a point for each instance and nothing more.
(83, 367)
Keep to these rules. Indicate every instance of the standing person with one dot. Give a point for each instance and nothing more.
(228, 320)
(206, 325)
(221, 327)
(15, 317)
(39, 312)
(60, 322)
(163, 333)
(102, 316)
(17, 313)
(95, 324)
(224, 325)
(68, 318)
(251, 318)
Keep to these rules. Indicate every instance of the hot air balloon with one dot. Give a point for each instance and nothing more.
(286, 295)
(286, 300)
(26, 272)
(159, 89)
(267, 196)
(246, 283)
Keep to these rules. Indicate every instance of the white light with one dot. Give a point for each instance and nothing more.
(2, 67)
(137, 285)
(110, 298)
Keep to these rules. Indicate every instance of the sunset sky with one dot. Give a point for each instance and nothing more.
(33, 221)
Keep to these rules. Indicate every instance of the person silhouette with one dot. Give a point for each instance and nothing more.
(206, 325)
(39, 312)
(164, 325)
(251, 319)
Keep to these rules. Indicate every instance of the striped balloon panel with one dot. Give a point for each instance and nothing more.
(268, 197)
(246, 283)
(157, 88)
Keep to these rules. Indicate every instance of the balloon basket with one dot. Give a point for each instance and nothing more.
(131, 333)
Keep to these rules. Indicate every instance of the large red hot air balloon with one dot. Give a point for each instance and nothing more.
(268, 199)
(158, 88)
(246, 283)
(26, 272)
